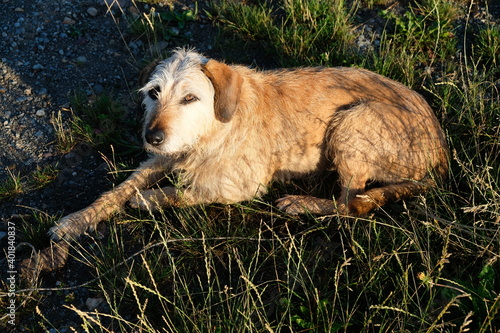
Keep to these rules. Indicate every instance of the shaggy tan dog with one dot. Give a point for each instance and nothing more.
(227, 131)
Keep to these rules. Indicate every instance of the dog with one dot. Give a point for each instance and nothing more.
(227, 131)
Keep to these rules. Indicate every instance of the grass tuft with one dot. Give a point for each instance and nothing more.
(11, 186)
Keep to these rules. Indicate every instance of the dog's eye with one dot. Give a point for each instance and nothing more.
(189, 98)
(154, 93)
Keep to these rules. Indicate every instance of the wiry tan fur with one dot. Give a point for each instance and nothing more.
(245, 128)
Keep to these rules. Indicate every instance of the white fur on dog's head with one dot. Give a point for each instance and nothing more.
(179, 101)
(185, 96)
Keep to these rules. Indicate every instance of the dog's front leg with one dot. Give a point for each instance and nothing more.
(75, 224)
(152, 199)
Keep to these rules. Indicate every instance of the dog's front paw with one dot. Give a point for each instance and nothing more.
(70, 227)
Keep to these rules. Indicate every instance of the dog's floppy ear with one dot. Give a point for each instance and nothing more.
(145, 73)
(227, 85)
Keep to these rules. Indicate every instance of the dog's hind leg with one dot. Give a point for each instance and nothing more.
(75, 224)
(302, 204)
(353, 202)
(363, 203)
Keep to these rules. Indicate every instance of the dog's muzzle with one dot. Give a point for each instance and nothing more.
(154, 137)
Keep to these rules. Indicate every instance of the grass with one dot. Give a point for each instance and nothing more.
(43, 176)
(15, 184)
(426, 265)
(297, 32)
(166, 26)
(100, 122)
(12, 186)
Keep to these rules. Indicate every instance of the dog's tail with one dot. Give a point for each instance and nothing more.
(363, 203)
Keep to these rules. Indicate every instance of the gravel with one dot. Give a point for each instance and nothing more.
(47, 51)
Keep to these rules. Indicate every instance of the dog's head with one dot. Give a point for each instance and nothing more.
(184, 98)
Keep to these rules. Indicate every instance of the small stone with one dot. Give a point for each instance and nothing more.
(37, 67)
(173, 31)
(92, 11)
(98, 89)
(43, 92)
(7, 114)
(40, 113)
(81, 59)
(159, 46)
(93, 303)
(19, 10)
(69, 21)
(3, 90)
(134, 11)
(27, 91)
(2, 234)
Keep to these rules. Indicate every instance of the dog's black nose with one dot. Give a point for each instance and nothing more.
(154, 137)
